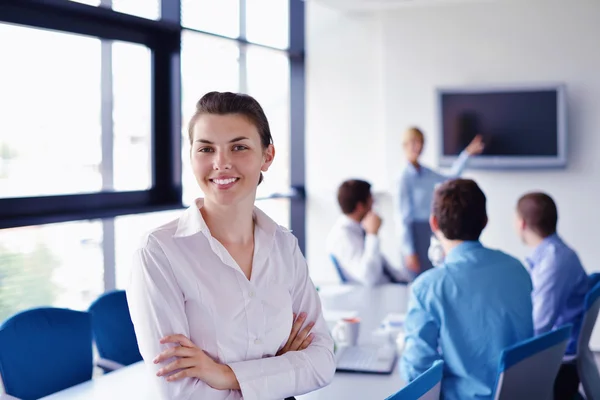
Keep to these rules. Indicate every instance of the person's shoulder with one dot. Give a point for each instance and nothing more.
(160, 235)
(429, 281)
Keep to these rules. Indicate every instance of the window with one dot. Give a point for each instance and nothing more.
(57, 265)
(86, 113)
(221, 17)
(146, 9)
(269, 82)
(52, 140)
(207, 64)
(267, 22)
(132, 118)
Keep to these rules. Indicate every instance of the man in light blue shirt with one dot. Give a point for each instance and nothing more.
(415, 192)
(465, 312)
(560, 283)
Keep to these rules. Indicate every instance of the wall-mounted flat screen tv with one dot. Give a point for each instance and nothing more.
(522, 127)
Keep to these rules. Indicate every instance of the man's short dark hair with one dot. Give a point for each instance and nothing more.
(539, 212)
(351, 193)
(459, 207)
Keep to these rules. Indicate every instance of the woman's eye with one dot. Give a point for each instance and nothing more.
(205, 150)
(239, 147)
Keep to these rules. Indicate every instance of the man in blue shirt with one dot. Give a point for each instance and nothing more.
(559, 280)
(465, 312)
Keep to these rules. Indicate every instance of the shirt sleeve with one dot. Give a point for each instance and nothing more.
(549, 293)
(406, 209)
(459, 165)
(296, 372)
(360, 257)
(156, 305)
(421, 341)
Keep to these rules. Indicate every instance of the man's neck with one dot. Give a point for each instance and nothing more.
(449, 245)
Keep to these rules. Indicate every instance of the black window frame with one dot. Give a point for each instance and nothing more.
(163, 38)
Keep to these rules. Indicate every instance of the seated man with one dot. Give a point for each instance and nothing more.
(353, 241)
(470, 308)
(559, 281)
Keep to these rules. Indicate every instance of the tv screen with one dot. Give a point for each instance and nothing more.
(520, 127)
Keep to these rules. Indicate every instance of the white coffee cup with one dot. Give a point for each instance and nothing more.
(345, 332)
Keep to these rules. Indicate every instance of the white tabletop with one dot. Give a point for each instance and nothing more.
(371, 305)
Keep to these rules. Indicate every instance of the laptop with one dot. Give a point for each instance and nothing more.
(366, 359)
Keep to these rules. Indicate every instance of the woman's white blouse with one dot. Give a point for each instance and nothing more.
(184, 281)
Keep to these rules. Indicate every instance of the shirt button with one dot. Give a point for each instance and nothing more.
(257, 341)
(251, 294)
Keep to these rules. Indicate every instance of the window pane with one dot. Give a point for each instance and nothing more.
(146, 9)
(88, 2)
(129, 230)
(141, 8)
(221, 17)
(50, 139)
(58, 265)
(267, 22)
(269, 82)
(132, 116)
(207, 64)
(277, 209)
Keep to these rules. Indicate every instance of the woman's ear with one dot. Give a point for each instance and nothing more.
(268, 157)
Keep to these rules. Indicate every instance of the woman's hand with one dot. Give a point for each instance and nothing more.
(412, 263)
(299, 339)
(192, 362)
(476, 146)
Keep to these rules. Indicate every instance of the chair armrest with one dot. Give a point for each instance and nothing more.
(107, 364)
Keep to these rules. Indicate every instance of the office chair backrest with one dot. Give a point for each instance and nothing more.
(427, 386)
(586, 364)
(45, 350)
(528, 369)
(113, 330)
(336, 264)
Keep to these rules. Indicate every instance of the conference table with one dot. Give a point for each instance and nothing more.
(370, 304)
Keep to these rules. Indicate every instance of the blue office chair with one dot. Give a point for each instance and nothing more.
(113, 331)
(45, 350)
(528, 369)
(336, 264)
(586, 365)
(594, 279)
(427, 386)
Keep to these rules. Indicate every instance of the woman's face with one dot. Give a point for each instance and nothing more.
(228, 157)
(412, 149)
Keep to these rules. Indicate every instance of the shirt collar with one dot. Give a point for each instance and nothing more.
(465, 247)
(192, 222)
(538, 253)
(412, 170)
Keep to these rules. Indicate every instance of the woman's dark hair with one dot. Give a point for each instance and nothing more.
(459, 207)
(539, 212)
(223, 103)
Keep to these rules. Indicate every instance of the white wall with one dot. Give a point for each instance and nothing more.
(504, 42)
(344, 123)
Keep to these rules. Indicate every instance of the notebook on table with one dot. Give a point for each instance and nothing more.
(368, 359)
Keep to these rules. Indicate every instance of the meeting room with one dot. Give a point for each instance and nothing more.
(299, 199)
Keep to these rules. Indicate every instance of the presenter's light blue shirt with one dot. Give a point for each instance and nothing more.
(415, 194)
(559, 288)
(465, 313)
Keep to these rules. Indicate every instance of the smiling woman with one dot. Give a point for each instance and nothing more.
(220, 298)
